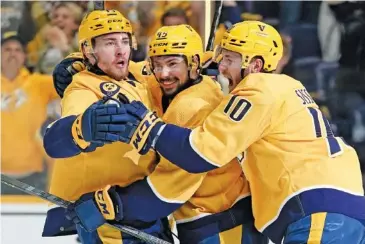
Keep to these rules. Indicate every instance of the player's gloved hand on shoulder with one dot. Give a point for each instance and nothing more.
(103, 123)
(63, 72)
(144, 133)
(93, 209)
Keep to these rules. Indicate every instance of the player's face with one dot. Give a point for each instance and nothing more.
(230, 67)
(112, 52)
(171, 72)
(12, 55)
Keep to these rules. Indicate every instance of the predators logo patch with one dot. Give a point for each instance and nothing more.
(109, 88)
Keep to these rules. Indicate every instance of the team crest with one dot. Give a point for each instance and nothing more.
(109, 88)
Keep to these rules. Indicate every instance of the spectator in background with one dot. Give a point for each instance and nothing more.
(348, 96)
(290, 13)
(11, 14)
(351, 15)
(350, 78)
(194, 11)
(56, 39)
(174, 16)
(329, 34)
(231, 14)
(24, 99)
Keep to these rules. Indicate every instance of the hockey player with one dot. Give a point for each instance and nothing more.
(305, 183)
(91, 156)
(213, 207)
(181, 97)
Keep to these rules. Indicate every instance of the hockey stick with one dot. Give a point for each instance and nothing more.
(99, 5)
(63, 203)
(216, 17)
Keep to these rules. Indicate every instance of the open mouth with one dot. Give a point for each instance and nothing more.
(230, 82)
(121, 63)
(168, 84)
(60, 25)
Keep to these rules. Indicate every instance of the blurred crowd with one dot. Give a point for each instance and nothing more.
(324, 45)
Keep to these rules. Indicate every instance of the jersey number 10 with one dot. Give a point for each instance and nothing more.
(238, 107)
(237, 111)
(334, 147)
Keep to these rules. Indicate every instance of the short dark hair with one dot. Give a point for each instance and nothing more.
(174, 12)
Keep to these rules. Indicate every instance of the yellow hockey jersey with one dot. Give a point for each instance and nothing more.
(23, 111)
(205, 193)
(294, 163)
(114, 164)
(138, 71)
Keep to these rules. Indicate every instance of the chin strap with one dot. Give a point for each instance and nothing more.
(95, 69)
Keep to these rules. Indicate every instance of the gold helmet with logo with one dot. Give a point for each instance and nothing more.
(177, 40)
(100, 22)
(253, 39)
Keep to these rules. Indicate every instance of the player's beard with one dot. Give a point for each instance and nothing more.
(224, 82)
(119, 74)
(179, 88)
(170, 92)
(233, 82)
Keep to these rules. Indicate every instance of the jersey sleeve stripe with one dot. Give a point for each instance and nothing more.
(141, 203)
(175, 145)
(159, 196)
(58, 141)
